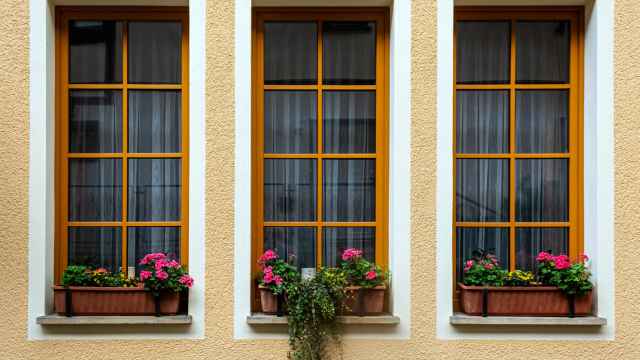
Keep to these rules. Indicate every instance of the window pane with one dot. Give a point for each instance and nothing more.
(349, 122)
(482, 190)
(290, 190)
(482, 122)
(542, 51)
(542, 190)
(155, 52)
(492, 240)
(154, 121)
(290, 53)
(542, 121)
(349, 52)
(95, 51)
(95, 189)
(531, 241)
(154, 189)
(337, 239)
(296, 245)
(145, 240)
(482, 51)
(95, 247)
(95, 121)
(349, 190)
(290, 122)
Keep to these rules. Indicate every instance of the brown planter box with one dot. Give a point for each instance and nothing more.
(522, 300)
(268, 301)
(86, 300)
(361, 301)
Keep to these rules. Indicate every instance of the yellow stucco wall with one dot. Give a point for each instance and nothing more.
(218, 342)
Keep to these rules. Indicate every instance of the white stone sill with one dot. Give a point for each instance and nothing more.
(460, 319)
(258, 319)
(49, 320)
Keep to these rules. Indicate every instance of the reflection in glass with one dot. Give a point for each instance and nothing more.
(155, 52)
(337, 239)
(95, 189)
(542, 121)
(349, 190)
(296, 245)
(542, 51)
(290, 122)
(482, 122)
(152, 239)
(542, 190)
(154, 189)
(349, 52)
(95, 51)
(95, 121)
(482, 190)
(531, 241)
(154, 121)
(482, 52)
(349, 122)
(290, 189)
(95, 247)
(492, 240)
(290, 53)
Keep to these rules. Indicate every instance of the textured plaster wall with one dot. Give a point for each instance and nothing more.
(218, 342)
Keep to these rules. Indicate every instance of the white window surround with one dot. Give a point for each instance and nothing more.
(41, 175)
(598, 173)
(399, 171)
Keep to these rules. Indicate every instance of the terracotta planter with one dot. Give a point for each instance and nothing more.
(361, 301)
(269, 302)
(522, 300)
(113, 301)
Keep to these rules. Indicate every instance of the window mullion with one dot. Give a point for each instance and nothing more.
(319, 164)
(125, 142)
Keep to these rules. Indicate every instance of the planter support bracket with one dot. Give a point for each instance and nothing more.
(572, 305)
(68, 303)
(485, 302)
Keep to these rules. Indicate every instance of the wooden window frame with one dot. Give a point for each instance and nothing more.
(576, 99)
(381, 17)
(136, 13)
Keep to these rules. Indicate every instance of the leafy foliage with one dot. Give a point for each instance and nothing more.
(519, 278)
(573, 278)
(483, 269)
(162, 274)
(276, 274)
(360, 272)
(77, 275)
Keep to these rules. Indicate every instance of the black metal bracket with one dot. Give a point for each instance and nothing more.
(571, 298)
(156, 300)
(68, 303)
(280, 305)
(485, 302)
(360, 301)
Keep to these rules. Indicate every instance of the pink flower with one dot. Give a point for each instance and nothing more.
(144, 275)
(162, 275)
(468, 265)
(350, 254)
(488, 266)
(544, 256)
(268, 256)
(562, 262)
(160, 264)
(173, 264)
(268, 278)
(371, 275)
(151, 257)
(186, 280)
(278, 280)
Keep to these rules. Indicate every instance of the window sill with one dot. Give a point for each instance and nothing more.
(48, 320)
(259, 319)
(460, 319)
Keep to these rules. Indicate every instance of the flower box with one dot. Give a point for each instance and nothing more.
(88, 300)
(268, 301)
(522, 300)
(364, 301)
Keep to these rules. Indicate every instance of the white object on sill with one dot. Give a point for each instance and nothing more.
(308, 273)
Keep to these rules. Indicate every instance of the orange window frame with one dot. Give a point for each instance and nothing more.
(575, 16)
(63, 86)
(319, 15)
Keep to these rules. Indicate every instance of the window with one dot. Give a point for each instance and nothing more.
(320, 134)
(121, 136)
(518, 134)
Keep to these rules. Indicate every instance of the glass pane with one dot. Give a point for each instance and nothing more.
(542, 190)
(482, 52)
(493, 240)
(297, 245)
(482, 122)
(337, 239)
(542, 121)
(349, 190)
(154, 189)
(145, 240)
(542, 51)
(95, 121)
(349, 122)
(154, 121)
(531, 241)
(290, 189)
(290, 53)
(482, 190)
(95, 51)
(290, 122)
(349, 52)
(95, 189)
(155, 52)
(95, 247)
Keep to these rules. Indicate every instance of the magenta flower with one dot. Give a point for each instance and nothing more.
(268, 256)
(350, 254)
(544, 256)
(562, 262)
(144, 275)
(488, 266)
(468, 265)
(162, 275)
(152, 257)
(186, 280)
(278, 280)
(173, 264)
(371, 275)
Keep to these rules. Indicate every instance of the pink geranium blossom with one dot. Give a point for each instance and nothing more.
(162, 275)
(544, 256)
(186, 280)
(488, 266)
(350, 254)
(144, 275)
(268, 256)
(371, 275)
(278, 280)
(151, 257)
(562, 262)
(468, 265)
